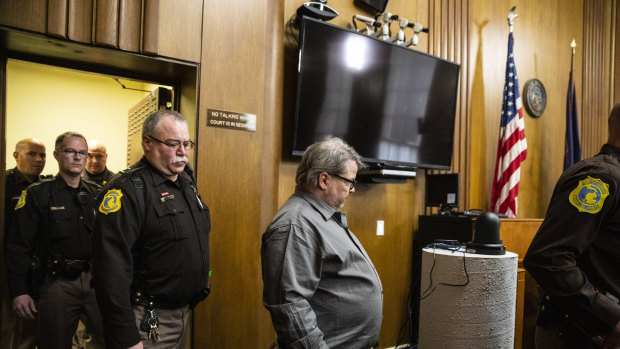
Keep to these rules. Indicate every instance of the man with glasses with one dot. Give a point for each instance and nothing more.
(96, 169)
(320, 287)
(29, 155)
(49, 250)
(151, 242)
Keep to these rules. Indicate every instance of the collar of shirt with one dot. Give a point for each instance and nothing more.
(96, 175)
(19, 177)
(60, 184)
(159, 178)
(611, 150)
(323, 208)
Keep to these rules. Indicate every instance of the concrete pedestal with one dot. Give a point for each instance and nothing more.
(480, 314)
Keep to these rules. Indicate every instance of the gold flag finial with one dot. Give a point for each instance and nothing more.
(573, 45)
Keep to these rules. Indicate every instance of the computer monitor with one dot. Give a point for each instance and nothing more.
(442, 190)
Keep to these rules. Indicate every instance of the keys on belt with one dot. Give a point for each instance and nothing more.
(153, 326)
(150, 322)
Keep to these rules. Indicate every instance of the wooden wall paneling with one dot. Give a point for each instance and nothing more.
(150, 27)
(180, 29)
(616, 74)
(233, 65)
(5, 307)
(598, 85)
(106, 23)
(449, 31)
(130, 25)
(80, 21)
(272, 135)
(613, 32)
(274, 53)
(57, 18)
(24, 14)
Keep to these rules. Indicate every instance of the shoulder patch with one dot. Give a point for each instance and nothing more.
(589, 195)
(22, 201)
(111, 201)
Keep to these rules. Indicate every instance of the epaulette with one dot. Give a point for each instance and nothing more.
(47, 176)
(41, 182)
(91, 186)
(124, 175)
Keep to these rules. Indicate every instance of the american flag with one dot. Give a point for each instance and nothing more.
(512, 146)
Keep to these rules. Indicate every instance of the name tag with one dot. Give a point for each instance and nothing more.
(56, 208)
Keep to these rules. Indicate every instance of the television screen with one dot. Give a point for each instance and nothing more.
(394, 105)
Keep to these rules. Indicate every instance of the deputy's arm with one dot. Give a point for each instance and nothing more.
(20, 248)
(564, 237)
(115, 232)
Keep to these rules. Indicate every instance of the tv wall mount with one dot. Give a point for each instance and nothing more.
(316, 9)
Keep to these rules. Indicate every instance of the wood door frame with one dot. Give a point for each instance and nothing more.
(183, 76)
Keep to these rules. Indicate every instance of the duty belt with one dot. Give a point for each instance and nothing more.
(139, 297)
(68, 268)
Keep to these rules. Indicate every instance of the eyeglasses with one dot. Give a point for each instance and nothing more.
(72, 152)
(175, 144)
(351, 181)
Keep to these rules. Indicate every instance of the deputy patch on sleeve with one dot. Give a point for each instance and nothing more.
(22, 201)
(589, 195)
(111, 201)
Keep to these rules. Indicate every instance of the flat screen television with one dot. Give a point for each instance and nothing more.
(394, 105)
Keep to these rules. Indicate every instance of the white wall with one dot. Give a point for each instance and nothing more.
(44, 101)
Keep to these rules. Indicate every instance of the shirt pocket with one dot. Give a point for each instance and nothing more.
(60, 224)
(169, 217)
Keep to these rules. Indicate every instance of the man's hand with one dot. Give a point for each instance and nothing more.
(137, 346)
(24, 306)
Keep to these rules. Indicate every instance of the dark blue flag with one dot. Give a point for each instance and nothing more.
(572, 146)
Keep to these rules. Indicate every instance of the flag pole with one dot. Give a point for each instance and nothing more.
(572, 145)
(512, 145)
(511, 17)
(572, 45)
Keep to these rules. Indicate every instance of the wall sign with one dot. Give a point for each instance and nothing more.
(229, 119)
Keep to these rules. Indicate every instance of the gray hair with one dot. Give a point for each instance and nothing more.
(329, 156)
(62, 137)
(149, 125)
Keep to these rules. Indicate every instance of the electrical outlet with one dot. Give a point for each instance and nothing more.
(380, 225)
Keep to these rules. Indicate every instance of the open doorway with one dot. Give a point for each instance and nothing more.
(43, 101)
(132, 70)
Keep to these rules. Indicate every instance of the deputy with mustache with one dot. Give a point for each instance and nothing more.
(151, 242)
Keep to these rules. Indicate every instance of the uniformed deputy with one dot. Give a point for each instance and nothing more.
(50, 237)
(29, 155)
(151, 242)
(96, 169)
(575, 255)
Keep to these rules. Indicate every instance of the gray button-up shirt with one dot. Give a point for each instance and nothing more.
(320, 286)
